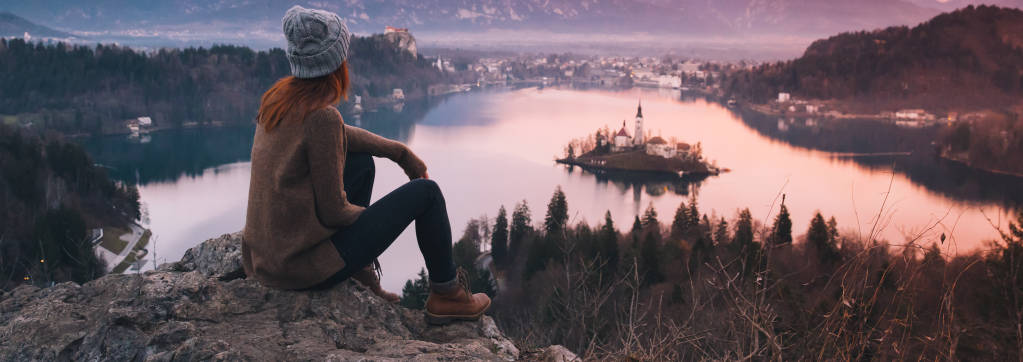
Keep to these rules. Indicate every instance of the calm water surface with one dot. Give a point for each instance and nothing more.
(496, 147)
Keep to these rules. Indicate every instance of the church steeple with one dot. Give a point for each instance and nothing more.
(638, 138)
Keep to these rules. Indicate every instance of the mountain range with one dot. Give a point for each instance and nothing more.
(13, 25)
(257, 22)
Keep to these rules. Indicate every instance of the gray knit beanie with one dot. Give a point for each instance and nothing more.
(317, 41)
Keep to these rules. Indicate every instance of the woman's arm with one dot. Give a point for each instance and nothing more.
(360, 140)
(325, 147)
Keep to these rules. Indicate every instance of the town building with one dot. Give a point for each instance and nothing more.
(657, 146)
(913, 114)
(784, 97)
(622, 140)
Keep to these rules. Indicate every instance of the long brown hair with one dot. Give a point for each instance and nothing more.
(294, 98)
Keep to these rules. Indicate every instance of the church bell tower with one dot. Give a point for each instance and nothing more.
(638, 136)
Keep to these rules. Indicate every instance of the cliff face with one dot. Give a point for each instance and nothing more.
(202, 308)
(403, 40)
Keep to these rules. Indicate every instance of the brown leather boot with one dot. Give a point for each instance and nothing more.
(370, 278)
(458, 304)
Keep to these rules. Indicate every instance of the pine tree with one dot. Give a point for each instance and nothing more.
(609, 243)
(818, 239)
(702, 245)
(743, 230)
(694, 214)
(413, 295)
(557, 214)
(540, 251)
(650, 218)
(781, 233)
(680, 224)
(499, 238)
(833, 231)
(520, 227)
(549, 246)
(743, 246)
(933, 256)
(650, 266)
(721, 233)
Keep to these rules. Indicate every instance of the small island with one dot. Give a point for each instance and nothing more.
(602, 152)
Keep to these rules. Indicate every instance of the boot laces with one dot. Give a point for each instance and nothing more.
(463, 280)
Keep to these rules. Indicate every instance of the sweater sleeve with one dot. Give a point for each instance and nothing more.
(360, 140)
(325, 147)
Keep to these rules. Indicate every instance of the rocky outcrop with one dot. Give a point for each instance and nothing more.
(202, 308)
(403, 40)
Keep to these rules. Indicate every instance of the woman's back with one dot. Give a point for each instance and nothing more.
(286, 244)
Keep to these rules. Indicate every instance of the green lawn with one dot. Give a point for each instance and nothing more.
(130, 258)
(112, 239)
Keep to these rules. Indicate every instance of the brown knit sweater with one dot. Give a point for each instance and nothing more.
(297, 199)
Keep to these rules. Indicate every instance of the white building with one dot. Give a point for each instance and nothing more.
(657, 146)
(911, 114)
(682, 149)
(398, 94)
(357, 107)
(669, 81)
(784, 97)
(622, 140)
(139, 125)
(638, 138)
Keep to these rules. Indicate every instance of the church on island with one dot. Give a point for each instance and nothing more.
(654, 146)
(619, 151)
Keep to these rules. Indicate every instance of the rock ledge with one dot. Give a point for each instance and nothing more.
(202, 308)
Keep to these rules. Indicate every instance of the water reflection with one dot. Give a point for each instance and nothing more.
(651, 184)
(922, 165)
(497, 147)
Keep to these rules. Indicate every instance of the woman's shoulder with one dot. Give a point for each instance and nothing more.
(325, 113)
(324, 116)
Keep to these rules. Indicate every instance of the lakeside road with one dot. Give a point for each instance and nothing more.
(113, 260)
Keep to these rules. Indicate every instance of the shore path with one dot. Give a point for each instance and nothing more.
(113, 260)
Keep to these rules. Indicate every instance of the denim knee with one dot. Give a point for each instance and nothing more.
(425, 187)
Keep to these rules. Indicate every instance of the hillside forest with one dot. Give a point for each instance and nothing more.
(75, 89)
(742, 286)
(52, 195)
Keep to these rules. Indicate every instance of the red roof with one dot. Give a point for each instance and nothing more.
(657, 141)
(622, 132)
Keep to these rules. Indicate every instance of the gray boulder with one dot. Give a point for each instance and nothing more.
(202, 308)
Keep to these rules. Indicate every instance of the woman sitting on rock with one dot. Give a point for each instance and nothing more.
(309, 223)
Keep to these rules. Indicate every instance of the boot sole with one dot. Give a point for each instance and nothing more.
(440, 319)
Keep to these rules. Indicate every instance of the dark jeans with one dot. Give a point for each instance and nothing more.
(380, 224)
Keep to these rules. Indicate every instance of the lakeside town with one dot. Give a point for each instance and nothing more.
(466, 71)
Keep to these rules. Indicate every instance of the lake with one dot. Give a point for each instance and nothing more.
(496, 147)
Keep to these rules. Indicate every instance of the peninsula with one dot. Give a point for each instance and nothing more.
(637, 153)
